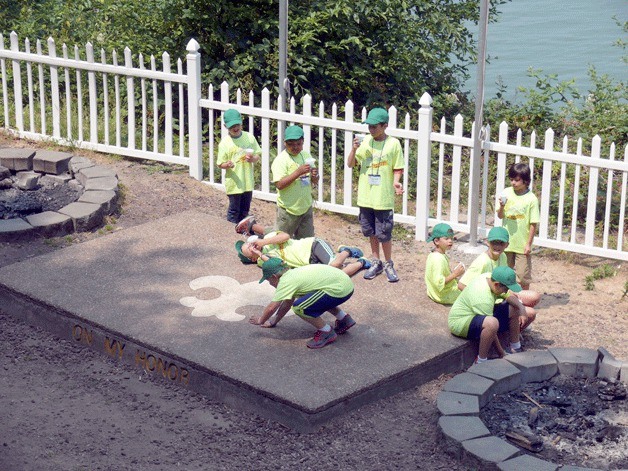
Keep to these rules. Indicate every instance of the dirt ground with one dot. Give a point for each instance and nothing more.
(68, 408)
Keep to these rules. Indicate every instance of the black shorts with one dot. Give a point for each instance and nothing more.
(376, 222)
(501, 312)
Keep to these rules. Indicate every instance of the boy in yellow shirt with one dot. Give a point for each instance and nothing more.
(440, 280)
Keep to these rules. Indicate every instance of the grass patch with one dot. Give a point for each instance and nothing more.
(599, 273)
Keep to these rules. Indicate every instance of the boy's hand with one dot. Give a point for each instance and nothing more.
(459, 270)
(522, 321)
(527, 249)
(255, 320)
(398, 188)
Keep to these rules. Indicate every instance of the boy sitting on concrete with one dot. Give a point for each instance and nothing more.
(474, 315)
(440, 280)
(495, 257)
(310, 291)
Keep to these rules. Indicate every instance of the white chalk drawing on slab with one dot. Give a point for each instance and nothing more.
(233, 296)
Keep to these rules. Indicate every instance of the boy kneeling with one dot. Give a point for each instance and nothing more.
(309, 290)
(474, 315)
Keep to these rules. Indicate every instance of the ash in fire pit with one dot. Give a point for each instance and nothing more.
(565, 420)
(29, 193)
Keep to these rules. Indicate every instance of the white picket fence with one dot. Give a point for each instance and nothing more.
(139, 111)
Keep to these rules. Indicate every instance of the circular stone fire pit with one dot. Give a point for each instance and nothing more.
(466, 435)
(46, 193)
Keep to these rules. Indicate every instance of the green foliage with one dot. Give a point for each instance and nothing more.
(599, 273)
(625, 289)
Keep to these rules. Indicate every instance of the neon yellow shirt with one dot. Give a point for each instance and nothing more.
(378, 160)
(296, 198)
(436, 270)
(296, 253)
(519, 212)
(475, 299)
(239, 178)
(482, 264)
(299, 281)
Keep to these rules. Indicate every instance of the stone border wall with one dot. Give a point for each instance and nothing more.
(459, 403)
(99, 198)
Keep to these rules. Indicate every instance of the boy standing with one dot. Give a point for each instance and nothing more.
(236, 154)
(310, 291)
(293, 175)
(440, 280)
(474, 315)
(381, 167)
(519, 210)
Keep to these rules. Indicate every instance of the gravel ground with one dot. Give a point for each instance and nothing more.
(68, 408)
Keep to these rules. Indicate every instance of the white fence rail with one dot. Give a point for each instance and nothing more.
(136, 110)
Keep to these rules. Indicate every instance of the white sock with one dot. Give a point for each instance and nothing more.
(515, 344)
(326, 328)
(341, 315)
(482, 360)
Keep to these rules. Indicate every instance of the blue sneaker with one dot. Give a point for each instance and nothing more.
(353, 251)
(391, 273)
(366, 263)
(376, 268)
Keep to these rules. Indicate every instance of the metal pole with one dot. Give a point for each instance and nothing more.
(477, 142)
(283, 51)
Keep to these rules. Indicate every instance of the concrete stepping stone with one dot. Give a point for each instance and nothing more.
(49, 161)
(85, 216)
(51, 223)
(106, 199)
(576, 362)
(17, 159)
(14, 229)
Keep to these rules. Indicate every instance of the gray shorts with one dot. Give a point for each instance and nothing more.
(376, 222)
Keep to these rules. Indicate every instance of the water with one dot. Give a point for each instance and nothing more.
(559, 37)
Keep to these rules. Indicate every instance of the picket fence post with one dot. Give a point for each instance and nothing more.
(424, 156)
(193, 59)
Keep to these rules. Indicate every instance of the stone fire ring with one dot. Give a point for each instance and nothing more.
(99, 198)
(465, 435)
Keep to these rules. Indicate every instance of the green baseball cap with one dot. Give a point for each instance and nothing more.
(507, 277)
(232, 117)
(377, 116)
(243, 258)
(293, 133)
(498, 233)
(271, 267)
(441, 230)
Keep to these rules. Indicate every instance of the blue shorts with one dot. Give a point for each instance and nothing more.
(501, 312)
(314, 304)
(376, 222)
(322, 252)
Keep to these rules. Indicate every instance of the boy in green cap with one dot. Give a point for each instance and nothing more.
(474, 315)
(495, 257)
(236, 155)
(440, 280)
(297, 253)
(381, 166)
(293, 174)
(310, 291)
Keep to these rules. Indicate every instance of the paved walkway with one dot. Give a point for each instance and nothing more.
(170, 296)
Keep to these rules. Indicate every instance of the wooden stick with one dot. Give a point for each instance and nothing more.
(532, 400)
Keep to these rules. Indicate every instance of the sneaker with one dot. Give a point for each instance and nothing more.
(509, 350)
(345, 324)
(245, 226)
(391, 274)
(353, 251)
(366, 263)
(376, 268)
(321, 339)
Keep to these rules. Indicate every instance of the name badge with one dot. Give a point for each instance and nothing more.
(305, 180)
(375, 179)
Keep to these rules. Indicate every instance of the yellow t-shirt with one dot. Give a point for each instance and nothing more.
(239, 178)
(296, 198)
(436, 270)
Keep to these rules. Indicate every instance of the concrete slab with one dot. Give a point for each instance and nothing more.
(49, 161)
(17, 159)
(15, 229)
(535, 366)
(106, 199)
(506, 376)
(451, 403)
(51, 223)
(85, 216)
(172, 298)
(527, 463)
(487, 452)
(576, 362)
(468, 383)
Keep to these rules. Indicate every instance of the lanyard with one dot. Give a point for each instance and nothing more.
(381, 152)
